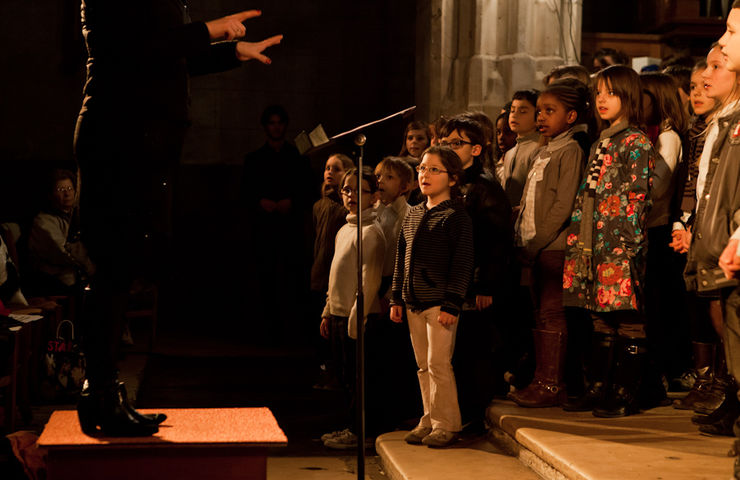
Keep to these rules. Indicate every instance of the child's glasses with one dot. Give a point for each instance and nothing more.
(454, 144)
(431, 170)
(349, 191)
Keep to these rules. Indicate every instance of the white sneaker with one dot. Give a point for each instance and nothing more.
(337, 433)
(415, 436)
(439, 438)
(346, 441)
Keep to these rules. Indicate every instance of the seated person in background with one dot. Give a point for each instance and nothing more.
(58, 260)
(10, 292)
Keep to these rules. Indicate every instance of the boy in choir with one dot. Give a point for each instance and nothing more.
(390, 363)
(517, 161)
(490, 211)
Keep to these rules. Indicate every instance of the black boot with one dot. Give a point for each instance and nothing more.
(146, 418)
(729, 407)
(600, 365)
(621, 397)
(101, 405)
(722, 426)
(723, 420)
(722, 381)
(652, 392)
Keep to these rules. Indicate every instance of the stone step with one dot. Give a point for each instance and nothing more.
(472, 458)
(661, 443)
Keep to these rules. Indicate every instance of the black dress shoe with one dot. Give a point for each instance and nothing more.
(620, 403)
(588, 401)
(731, 406)
(723, 426)
(100, 407)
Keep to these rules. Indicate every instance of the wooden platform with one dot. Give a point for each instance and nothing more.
(220, 443)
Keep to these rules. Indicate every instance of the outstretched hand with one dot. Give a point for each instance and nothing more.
(230, 26)
(249, 50)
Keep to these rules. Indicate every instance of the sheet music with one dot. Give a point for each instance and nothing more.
(25, 318)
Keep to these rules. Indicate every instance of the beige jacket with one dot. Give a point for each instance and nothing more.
(557, 179)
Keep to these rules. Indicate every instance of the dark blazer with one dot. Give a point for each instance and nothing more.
(140, 54)
(493, 232)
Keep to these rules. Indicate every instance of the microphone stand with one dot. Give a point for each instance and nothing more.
(360, 140)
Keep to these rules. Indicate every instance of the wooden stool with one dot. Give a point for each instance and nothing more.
(223, 443)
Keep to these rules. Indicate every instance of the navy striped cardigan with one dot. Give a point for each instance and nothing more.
(434, 259)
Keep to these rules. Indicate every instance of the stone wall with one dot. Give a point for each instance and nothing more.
(479, 52)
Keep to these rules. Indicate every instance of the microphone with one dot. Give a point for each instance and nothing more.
(360, 139)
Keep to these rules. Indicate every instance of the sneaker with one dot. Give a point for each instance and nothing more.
(685, 382)
(415, 436)
(439, 438)
(336, 433)
(346, 441)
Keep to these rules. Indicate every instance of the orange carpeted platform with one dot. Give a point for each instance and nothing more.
(224, 443)
(195, 426)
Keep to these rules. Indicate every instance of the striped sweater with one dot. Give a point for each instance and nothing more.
(434, 258)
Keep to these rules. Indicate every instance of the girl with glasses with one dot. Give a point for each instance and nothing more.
(434, 262)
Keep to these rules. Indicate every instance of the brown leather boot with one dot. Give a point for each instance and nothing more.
(547, 388)
(715, 394)
(704, 366)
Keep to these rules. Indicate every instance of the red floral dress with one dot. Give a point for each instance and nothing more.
(611, 275)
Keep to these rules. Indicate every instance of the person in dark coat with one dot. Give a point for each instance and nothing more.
(128, 140)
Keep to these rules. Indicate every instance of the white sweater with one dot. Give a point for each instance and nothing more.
(341, 299)
(669, 155)
(391, 218)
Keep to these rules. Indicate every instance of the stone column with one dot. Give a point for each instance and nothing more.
(474, 54)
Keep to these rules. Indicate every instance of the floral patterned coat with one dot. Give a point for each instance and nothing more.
(612, 277)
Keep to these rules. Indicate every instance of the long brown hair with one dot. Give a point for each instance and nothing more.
(667, 108)
(625, 83)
